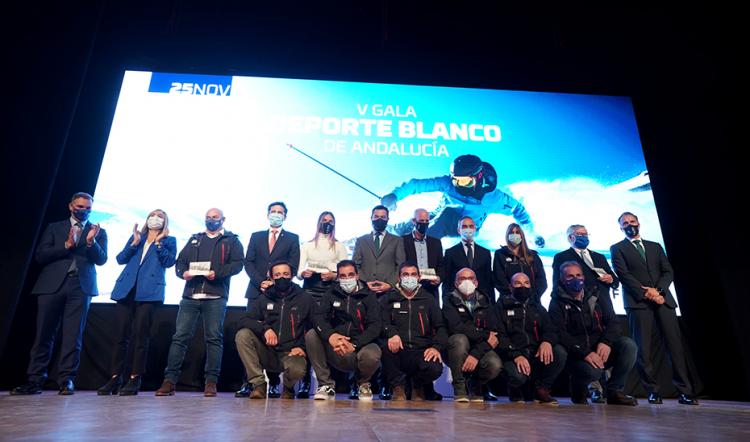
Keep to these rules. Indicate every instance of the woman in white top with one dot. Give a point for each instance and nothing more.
(318, 257)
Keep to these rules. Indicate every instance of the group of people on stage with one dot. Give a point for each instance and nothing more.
(376, 316)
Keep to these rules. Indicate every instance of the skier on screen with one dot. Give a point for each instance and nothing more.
(469, 190)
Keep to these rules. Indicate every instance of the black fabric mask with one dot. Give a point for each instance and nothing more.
(282, 284)
(521, 293)
(422, 227)
(82, 215)
(631, 231)
(379, 224)
(326, 228)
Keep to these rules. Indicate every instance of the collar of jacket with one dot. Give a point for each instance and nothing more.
(418, 294)
(272, 294)
(362, 291)
(227, 233)
(457, 300)
(510, 302)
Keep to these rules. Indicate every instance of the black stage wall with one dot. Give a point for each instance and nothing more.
(65, 63)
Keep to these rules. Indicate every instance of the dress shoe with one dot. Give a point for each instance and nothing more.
(132, 386)
(655, 398)
(259, 391)
(620, 398)
(542, 396)
(597, 397)
(274, 391)
(166, 389)
(385, 394)
(304, 389)
(27, 389)
(489, 397)
(111, 387)
(67, 388)
(685, 399)
(399, 394)
(287, 393)
(244, 391)
(210, 389)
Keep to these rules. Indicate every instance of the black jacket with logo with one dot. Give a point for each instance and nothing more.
(288, 316)
(355, 315)
(418, 321)
(527, 325)
(226, 261)
(583, 324)
(476, 325)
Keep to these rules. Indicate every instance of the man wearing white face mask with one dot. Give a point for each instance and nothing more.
(468, 254)
(415, 335)
(267, 246)
(346, 327)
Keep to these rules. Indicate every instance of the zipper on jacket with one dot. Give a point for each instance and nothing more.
(409, 323)
(349, 326)
(536, 331)
(281, 318)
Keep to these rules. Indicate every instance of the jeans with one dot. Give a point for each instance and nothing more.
(488, 368)
(363, 362)
(256, 356)
(212, 312)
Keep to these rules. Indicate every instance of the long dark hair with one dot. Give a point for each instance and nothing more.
(524, 254)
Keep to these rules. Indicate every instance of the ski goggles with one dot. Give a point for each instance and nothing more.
(464, 181)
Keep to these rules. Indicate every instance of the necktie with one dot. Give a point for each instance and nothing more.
(640, 248)
(470, 254)
(587, 259)
(377, 242)
(272, 242)
(73, 266)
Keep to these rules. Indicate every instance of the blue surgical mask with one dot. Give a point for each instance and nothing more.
(581, 242)
(574, 285)
(276, 219)
(467, 234)
(515, 238)
(348, 285)
(82, 215)
(212, 225)
(409, 282)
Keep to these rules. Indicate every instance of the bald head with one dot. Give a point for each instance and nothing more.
(214, 213)
(520, 279)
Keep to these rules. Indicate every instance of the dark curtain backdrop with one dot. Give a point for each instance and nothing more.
(64, 65)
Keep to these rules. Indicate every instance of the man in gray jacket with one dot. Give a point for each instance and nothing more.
(379, 253)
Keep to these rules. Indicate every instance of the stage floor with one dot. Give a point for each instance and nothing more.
(190, 416)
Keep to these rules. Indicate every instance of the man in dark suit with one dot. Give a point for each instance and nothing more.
(426, 251)
(595, 267)
(265, 247)
(468, 254)
(69, 250)
(379, 253)
(646, 276)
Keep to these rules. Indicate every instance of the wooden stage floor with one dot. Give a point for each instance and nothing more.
(190, 416)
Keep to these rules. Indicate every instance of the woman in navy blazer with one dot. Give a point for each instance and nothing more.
(138, 291)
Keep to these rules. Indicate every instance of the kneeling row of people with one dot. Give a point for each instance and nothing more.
(354, 330)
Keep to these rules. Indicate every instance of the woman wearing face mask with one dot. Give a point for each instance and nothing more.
(516, 257)
(319, 256)
(138, 291)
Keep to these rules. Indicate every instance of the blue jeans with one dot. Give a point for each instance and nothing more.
(212, 311)
(621, 360)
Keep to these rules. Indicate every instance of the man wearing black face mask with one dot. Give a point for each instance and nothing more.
(378, 254)
(646, 276)
(206, 263)
(69, 250)
(426, 251)
(532, 349)
(590, 333)
(271, 335)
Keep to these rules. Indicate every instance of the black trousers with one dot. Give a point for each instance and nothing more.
(133, 319)
(68, 306)
(409, 363)
(643, 324)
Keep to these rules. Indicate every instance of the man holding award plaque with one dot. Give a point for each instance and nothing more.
(426, 251)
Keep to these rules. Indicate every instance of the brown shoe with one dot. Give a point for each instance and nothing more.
(417, 393)
(210, 389)
(542, 396)
(166, 389)
(287, 393)
(620, 398)
(399, 394)
(259, 391)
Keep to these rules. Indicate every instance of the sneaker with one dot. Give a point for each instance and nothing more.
(459, 393)
(324, 393)
(476, 394)
(365, 392)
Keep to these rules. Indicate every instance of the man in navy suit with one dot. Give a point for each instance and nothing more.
(69, 250)
(267, 246)
(646, 275)
(468, 254)
(426, 251)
